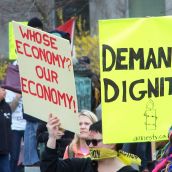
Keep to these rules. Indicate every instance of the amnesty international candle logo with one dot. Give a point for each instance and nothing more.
(151, 116)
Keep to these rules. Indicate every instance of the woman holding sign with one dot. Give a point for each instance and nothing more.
(103, 157)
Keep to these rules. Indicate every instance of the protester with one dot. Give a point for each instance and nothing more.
(18, 127)
(82, 70)
(104, 157)
(42, 134)
(78, 147)
(164, 161)
(5, 132)
(142, 150)
(31, 157)
(18, 124)
(42, 138)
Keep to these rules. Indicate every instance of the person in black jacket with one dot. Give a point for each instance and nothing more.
(42, 138)
(5, 132)
(103, 157)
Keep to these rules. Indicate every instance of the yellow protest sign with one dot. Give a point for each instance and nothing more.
(12, 53)
(136, 78)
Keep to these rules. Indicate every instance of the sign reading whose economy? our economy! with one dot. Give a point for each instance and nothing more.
(136, 78)
(46, 75)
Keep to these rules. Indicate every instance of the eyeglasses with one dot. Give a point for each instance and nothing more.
(93, 141)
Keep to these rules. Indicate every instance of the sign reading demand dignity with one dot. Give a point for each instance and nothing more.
(46, 75)
(136, 78)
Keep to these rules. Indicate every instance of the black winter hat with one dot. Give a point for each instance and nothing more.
(84, 60)
(35, 22)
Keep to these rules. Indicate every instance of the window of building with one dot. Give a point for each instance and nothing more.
(142, 8)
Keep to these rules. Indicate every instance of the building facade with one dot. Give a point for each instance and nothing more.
(20, 10)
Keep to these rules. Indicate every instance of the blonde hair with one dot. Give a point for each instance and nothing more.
(92, 117)
(89, 114)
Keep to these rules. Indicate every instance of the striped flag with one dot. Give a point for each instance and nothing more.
(69, 27)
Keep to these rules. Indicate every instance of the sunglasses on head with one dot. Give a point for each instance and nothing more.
(93, 141)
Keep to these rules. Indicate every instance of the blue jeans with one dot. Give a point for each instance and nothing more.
(15, 149)
(4, 163)
(30, 144)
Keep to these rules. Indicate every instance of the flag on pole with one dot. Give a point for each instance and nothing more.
(69, 27)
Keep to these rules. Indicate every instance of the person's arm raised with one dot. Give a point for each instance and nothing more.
(54, 131)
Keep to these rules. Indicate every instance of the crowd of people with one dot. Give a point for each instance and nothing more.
(53, 149)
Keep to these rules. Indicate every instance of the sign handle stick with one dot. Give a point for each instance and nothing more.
(153, 150)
